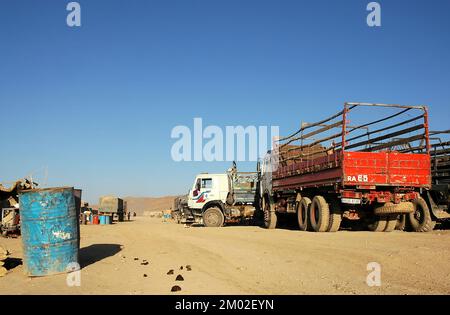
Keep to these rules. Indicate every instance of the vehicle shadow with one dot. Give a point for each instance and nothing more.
(96, 252)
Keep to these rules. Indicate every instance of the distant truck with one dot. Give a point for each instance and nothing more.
(112, 205)
(181, 212)
(217, 199)
(366, 172)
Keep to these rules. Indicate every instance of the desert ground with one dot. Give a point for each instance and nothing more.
(242, 260)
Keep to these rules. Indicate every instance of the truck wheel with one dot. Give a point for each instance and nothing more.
(319, 214)
(302, 213)
(420, 220)
(391, 223)
(335, 219)
(401, 223)
(270, 217)
(378, 224)
(213, 217)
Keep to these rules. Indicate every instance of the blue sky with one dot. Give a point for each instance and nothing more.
(96, 104)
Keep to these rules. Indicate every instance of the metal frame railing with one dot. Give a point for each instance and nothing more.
(335, 134)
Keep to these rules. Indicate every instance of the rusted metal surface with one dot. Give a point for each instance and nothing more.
(49, 230)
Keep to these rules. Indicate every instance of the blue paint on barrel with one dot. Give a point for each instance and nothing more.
(49, 226)
(103, 219)
(108, 219)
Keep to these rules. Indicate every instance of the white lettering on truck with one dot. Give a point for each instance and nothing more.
(358, 178)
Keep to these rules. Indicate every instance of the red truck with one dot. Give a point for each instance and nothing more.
(350, 168)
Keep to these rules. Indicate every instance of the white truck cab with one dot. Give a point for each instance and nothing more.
(206, 188)
(216, 199)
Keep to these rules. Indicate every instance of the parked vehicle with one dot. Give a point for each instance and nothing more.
(111, 205)
(358, 170)
(217, 199)
(181, 212)
(438, 197)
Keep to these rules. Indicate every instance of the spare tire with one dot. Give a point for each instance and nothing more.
(392, 208)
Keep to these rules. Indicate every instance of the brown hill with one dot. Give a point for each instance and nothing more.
(142, 205)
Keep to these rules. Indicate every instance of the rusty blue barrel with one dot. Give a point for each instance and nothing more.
(50, 228)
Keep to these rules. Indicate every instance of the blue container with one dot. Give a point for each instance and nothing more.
(103, 219)
(108, 219)
(49, 230)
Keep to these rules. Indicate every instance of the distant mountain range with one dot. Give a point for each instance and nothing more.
(142, 205)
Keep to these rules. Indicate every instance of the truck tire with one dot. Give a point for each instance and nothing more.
(213, 217)
(270, 216)
(391, 223)
(302, 213)
(420, 220)
(401, 223)
(319, 214)
(335, 219)
(392, 208)
(378, 224)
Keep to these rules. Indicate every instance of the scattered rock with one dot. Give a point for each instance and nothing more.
(181, 268)
(179, 278)
(135, 258)
(175, 288)
(145, 275)
(145, 263)
(170, 272)
(188, 268)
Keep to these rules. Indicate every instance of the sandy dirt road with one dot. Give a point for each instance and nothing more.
(243, 260)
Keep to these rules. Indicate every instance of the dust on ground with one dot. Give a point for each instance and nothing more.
(135, 257)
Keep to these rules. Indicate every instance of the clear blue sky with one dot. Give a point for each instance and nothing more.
(96, 104)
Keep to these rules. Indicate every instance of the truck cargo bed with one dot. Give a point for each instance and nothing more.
(364, 153)
(356, 169)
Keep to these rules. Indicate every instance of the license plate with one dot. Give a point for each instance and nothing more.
(351, 201)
